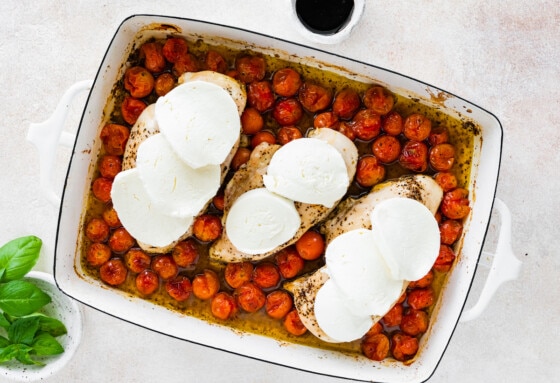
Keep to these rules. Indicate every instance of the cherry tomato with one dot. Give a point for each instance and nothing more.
(414, 156)
(223, 306)
(215, 62)
(97, 230)
(366, 124)
(185, 253)
(260, 95)
(414, 322)
(403, 347)
(292, 323)
(184, 64)
(113, 272)
(425, 281)
(417, 127)
(138, 81)
(455, 204)
(421, 298)
(147, 282)
(207, 227)
(325, 120)
(250, 68)
(114, 138)
(251, 121)
(446, 180)
(289, 262)
(219, 201)
(131, 109)
(179, 288)
(266, 275)
(101, 189)
(379, 99)
(445, 259)
(206, 285)
(311, 245)
(97, 254)
(238, 273)
(287, 111)
(137, 260)
(240, 158)
(346, 103)
(263, 136)
(375, 347)
(286, 82)
(110, 166)
(278, 304)
(152, 53)
(314, 98)
(121, 241)
(288, 133)
(111, 217)
(369, 171)
(375, 329)
(174, 48)
(386, 149)
(250, 297)
(450, 230)
(345, 127)
(393, 317)
(442, 157)
(392, 123)
(438, 135)
(164, 83)
(165, 266)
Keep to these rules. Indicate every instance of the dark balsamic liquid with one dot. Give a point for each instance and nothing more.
(325, 17)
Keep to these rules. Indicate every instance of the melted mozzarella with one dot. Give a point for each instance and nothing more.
(407, 234)
(308, 170)
(139, 215)
(201, 122)
(260, 221)
(173, 186)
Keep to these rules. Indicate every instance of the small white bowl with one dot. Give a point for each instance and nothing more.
(335, 38)
(62, 308)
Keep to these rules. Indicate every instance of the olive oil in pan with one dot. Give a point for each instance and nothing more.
(325, 17)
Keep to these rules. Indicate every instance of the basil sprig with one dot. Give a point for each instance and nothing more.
(25, 333)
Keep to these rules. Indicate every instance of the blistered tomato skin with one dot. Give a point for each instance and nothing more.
(266, 275)
(366, 124)
(325, 120)
(164, 84)
(403, 347)
(375, 346)
(121, 241)
(111, 217)
(278, 304)
(393, 316)
(174, 48)
(292, 323)
(179, 288)
(446, 180)
(152, 53)
(97, 230)
(438, 135)
(138, 81)
(450, 230)
(250, 297)
(421, 298)
(184, 64)
(289, 262)
(286, 82)
(379, 99)
(240, 158)
(251, 121)
(164, 266)
(311, 245)
(250, 68)
(207, 227)
(238, 273)
(314, 98)
(386, 149)
(147, 282)
(137, 260)
(425, 281)
(346, 103)
(224, 306)
(101, 189)
(455, 204)
(185, 253)
(442, 157)
(369, 171)
(206, 285)
(215, 62)
(417, 127)
(414, 156)
(260, 95)
(287, 111)
(287, 134)
(110, 166)
(113, 272)
(97, 254)
(445, 259)
(114, 138)
(263, 136)
(414, 322)
(131, 109)
(392, 123)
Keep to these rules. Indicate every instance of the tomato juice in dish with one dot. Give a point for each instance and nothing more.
(376, 123)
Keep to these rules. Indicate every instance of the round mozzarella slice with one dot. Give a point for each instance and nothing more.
(260, 221)
(360, 272)
(407, 234)
(340, 142)
(200, 121)
(172, 185)
(308, 170)
(139, 215)
(334, 318)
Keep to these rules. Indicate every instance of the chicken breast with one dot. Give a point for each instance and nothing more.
(354, 214)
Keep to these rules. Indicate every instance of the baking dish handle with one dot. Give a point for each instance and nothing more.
(505, 265)
(47, 135)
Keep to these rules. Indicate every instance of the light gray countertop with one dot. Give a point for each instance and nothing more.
(501, 55)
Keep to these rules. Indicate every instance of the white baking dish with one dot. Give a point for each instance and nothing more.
(73, 281)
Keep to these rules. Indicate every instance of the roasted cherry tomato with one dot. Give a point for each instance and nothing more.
(137, 260)
(386, 149)
(287, 111)
(206, 285)
(207, 227)
(147, 282)
(325, 120)
(278, 303)
(138, 81)
(219, 201)
(425, 281)
(379, 100)
(455, 204)
(414, 322)
(446, 180)
(420, 298)
(392, 123)
(266, 275)
(287, 134)
(114, 138)
(101, 189)
(152, 54)
(250, 68)
(251, 121)
(417, 127)
(442, 157)
(311, 245)
(263, 136)
(240, 158)
(179, 288)
(314, 98)
(223, 306)
(121, 241)
(369, 171)
(289, 262)
(185, 253)
(111, 217)
(131, 109)
(375, 346)
(450, 230)
(113, 272)
(292, 323)
(375, 329)
(438, 135)
(286, 82)
(393, 317)
(414, 156)
(184, 64)
(238, 273)
(97, 230)
(250, 297)
(165, 266)
(345, 127)
(445, 259)
(110, 166)
(164, 84)
(403, 347)
(260, 95)
(174, 48)
(346, 103)
(215, 62)
(366, 124)
(97, 254)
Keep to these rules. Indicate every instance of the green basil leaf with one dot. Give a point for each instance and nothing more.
(46, 344)
(4, 322)
(18, 257)
(23, 330)
(9, 352)
(24, 357)
(50, 325)
(20, 298)
(4, 342)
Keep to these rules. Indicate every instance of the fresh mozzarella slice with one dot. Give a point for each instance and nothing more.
(340, 142)
(334, 318)
(200, 121)
(407, 234)
(358, 269)
(260, 221)
(308, 170)
(138, 214)
(145, 126)
(172, 185)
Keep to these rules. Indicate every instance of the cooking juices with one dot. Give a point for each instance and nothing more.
(325, 17)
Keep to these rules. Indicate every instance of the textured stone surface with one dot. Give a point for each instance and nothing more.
(503, 56)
